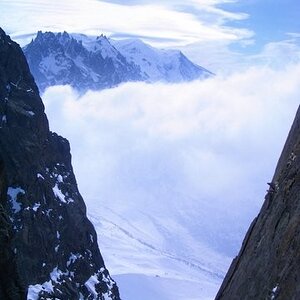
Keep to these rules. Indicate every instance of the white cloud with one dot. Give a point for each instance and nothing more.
(204, 148)
(198, 27)
(294, 35)
(159, 22)
(219, 57)
(278, 54)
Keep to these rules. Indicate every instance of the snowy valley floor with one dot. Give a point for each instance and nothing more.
(146, 271)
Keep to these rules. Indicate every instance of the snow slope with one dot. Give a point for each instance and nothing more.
(145, 268)
(156, 246)
(160, 64)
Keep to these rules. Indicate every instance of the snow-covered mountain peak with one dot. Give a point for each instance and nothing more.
(103, 45)
(160, 64)
(48, 37)
(86, 62)
(64, 37)
(78, 60)
(136, 47)
(102, 38)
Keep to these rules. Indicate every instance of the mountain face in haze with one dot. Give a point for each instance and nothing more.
(48, 246)
(268, 265)
(87, 63)
(59, 59)
(160, 64)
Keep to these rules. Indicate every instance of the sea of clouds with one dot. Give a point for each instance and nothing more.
(205, 148)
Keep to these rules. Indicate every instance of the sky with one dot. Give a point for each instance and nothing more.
(221, 35)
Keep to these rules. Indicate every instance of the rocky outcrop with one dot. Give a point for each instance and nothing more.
(48, 247)
(268, 265)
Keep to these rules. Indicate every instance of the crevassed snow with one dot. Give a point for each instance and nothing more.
(13, 194)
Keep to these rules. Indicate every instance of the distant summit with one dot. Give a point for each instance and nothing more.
(159, 64)
(59, 59)
(98, 63)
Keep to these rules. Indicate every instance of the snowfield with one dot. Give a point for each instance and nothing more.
(142, 264)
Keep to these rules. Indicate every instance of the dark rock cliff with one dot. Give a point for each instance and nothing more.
(48, 247)
(268, 265)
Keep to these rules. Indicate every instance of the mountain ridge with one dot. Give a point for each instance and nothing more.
(98, 63)
(167, 65)
(59, 59)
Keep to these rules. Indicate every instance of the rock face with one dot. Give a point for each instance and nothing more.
(268, 265)
(48, 246)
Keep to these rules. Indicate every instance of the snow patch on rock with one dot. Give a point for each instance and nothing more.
(13, 197)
